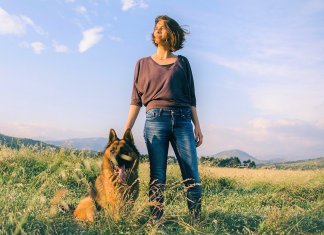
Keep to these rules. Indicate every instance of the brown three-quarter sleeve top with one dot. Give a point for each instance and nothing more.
(159, 86)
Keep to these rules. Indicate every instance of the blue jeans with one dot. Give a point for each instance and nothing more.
(161, 127)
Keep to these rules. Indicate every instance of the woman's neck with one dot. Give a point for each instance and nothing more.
(163, 54)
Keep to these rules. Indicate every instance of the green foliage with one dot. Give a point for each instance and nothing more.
(144, 158)
(249, 164)
(221, 162)
(17, 143)
(30, 204)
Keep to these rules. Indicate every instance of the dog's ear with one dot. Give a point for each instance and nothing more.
(112, 136)
(128, 136)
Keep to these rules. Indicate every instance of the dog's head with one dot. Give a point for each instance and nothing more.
(122, 154)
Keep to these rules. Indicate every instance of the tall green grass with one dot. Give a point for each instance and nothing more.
(39, 188)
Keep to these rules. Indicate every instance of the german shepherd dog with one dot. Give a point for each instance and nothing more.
(117, 184)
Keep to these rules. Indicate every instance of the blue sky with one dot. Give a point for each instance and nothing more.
(66, 70)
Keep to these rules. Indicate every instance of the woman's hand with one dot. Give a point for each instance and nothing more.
(197, 131)
(198, 136)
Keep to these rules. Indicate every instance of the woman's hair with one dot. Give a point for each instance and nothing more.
(176, 34)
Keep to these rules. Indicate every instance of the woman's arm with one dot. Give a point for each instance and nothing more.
(197, 130)
(132, 115)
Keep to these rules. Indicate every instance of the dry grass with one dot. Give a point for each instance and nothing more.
(40, 187)
(275, 177)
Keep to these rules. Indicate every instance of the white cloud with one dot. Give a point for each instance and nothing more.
(265, 138)
(11, 24)
(284, 74)
(303, 101)
(292, 134)
(265, 68)
(129, 4)
(37, 47)
(60, 48)
(17, 25)
(90, 38)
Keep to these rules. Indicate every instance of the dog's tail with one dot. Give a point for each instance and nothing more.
(58, 204)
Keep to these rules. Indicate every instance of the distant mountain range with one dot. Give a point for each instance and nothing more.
(243, 156)
(309, 164)
(98, 144)
(94, 144)
(14, 142)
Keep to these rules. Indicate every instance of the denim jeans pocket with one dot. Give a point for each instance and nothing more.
(152, 114)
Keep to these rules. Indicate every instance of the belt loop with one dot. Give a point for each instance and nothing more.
(160, 111)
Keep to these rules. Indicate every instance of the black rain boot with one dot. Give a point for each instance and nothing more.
(194, 205)
(157, 199)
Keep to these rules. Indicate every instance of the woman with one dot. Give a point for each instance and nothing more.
(163, 83)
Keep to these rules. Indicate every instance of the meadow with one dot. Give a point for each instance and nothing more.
(39, 189)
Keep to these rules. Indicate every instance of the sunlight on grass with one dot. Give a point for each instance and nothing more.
(40, 188)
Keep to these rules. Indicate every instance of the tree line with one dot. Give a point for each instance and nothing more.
(211, 161)
(227, 162)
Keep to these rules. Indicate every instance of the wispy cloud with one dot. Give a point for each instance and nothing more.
(129, 4)
(142, 4)
(90, 38)
(266, 138)
(114, 38)
(59, 48)
(11, 24)
(37, 47)
(82, 10)
(40, 131)
(17, 24)
(36, 28)
(302, 100)
(283, 70)
(269, 67)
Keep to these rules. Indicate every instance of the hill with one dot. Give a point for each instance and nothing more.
(310, 164)
(93, 144)
(16, 143)
(243, 156)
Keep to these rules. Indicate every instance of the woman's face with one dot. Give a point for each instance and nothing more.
(160, 32)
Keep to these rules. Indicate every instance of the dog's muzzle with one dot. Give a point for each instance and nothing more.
(120, 171)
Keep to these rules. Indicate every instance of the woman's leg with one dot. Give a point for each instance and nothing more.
(184, 145)
(156, 136)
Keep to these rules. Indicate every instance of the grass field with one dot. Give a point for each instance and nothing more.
(39, 187)
(311, 164)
